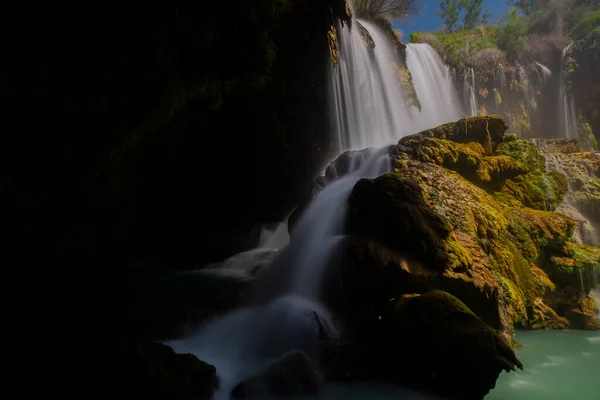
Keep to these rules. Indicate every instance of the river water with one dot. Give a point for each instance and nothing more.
(558, 365)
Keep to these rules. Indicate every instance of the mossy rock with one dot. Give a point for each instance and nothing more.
(365, 35)
(406, 83)
(544, 317)
(542, 191)
(398, 208)
(582, 170)
(434, 223)
(523, 151)
(486, 130)
(468, 159)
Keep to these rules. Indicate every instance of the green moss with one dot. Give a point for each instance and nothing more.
(540, 191)
(458, 48)
(407, 86)
(365, 35)
(583, 255)
(497, 97)
(333, 45)
(523, 151)
(504, 245)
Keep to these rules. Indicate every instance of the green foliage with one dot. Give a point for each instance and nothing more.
(511, 35)
(457, 48)
(590, 23)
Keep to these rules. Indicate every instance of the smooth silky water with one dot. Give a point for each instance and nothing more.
(557, 365)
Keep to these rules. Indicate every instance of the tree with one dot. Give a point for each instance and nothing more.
(511, 35)
(450, 13)
(474, 14)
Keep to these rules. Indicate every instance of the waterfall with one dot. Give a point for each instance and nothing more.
(470, 90)
(439, 101)
(502, 76)
(285, 313)
(596, 296)
(367, 98)
(584, 232)
(567, 115)
(545, 72)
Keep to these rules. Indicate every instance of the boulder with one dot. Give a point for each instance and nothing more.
(434, 223)
(429, 341)
(293, 375)
(134, 370)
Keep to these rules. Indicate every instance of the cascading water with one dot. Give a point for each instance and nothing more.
(566, 107)
(439, 101)
(470, 91)
(369, 110)
(367, 98)
(584, 232)
(545, 72)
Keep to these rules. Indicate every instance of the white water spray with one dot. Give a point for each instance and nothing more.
(567, 115)
(470, 91)
(546, 73)
(439, 101)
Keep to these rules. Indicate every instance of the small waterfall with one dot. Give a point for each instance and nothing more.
(274, 238)
(431, 78)
(545, 73)
(567, 114)
(501, 76)
(584, 232)
(470, 91)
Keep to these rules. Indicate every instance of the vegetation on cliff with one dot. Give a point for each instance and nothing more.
(529, 32)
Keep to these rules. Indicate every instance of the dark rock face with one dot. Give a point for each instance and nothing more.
(585, 80)
(394, 203)
(159, 122)
(431, 342)
(164, 115)
(143, 370)
(293, 375)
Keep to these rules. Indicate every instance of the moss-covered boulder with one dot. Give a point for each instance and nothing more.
(429, 341)
(435, 223)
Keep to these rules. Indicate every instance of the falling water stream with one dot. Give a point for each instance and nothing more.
(566, 105)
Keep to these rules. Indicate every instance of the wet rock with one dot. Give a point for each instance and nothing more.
(293, 375)
(134, 370)
(485, 130)
(431, 342)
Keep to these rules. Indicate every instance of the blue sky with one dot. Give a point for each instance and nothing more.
(428, 21)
